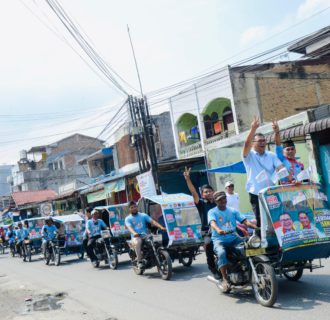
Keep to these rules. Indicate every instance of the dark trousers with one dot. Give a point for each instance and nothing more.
(254, 200)
(208, 247)
(90, 246)
(85, 242)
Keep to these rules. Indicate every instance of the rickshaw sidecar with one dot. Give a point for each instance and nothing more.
(35, 232)
(178, 213)
(114, 216)
(295, 227)
(71, 239)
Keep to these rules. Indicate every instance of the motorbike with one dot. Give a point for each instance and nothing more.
(52, 253)
(247, 267)
(104, 251)
(153, 255)
(26, 249)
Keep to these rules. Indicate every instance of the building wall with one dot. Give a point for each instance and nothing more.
(280, 90)
(125, 153)
(5, 171)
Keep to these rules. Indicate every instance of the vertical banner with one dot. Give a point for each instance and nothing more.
(146, 184)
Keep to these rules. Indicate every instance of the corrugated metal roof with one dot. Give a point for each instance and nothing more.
(25, 197)
(302, 130)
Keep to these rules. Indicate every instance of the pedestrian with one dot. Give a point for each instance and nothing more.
(203, 205)
(260, 165)
(232, 196)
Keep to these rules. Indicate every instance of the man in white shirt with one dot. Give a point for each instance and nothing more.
(232, 197)
(259, 164)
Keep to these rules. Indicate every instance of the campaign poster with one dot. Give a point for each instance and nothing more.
(117, 217)
(74, 231)
(300, 215)
(35, 228)
(183, 223)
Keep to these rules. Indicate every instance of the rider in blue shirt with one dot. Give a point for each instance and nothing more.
(137, 224)
(48, 233)
(93, 231)
(223, 223)
(10, 236)
(20, 234)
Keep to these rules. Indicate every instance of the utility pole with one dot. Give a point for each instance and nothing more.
(142, 136)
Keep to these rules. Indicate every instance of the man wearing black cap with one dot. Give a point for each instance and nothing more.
(287, 154)
(223, 223)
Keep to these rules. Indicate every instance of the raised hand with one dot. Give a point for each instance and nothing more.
(186, 173)
(255, 123)
(275, 126)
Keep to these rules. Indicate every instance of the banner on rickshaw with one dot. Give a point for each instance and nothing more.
(35, 228)
(74, 231)
(183, 224)
(117, 216)
(300, 215)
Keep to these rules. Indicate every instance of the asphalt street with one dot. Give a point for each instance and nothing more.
(121, 294)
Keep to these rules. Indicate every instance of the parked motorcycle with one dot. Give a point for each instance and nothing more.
(104, 251)
(153, 255)
(248, 267)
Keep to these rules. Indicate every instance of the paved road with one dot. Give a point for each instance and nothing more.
(121, 294)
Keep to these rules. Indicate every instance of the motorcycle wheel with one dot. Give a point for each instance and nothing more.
(57, 256)
(28, 254)
(266, 290)
(294, 275)
(23, 252)
(48, 256)
(165, 268)
(112, 258)
(187, 261)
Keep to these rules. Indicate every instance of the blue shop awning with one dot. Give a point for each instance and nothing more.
(237, 167)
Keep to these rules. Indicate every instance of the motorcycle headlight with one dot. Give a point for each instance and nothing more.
(254, 242)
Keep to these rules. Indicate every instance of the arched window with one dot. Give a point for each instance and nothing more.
(208, 126)
(227, 117)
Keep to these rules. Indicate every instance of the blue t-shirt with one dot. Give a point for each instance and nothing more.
(95, 227)
(21, 234)
(138, 222)
(225, 220)
(11, 235)
(294, 167)
(49, 232)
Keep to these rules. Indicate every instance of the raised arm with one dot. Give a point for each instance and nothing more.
(190, 185)
(276, 130)
(249, 139)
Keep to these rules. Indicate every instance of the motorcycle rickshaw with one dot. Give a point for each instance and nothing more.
(69, 239)
(294, 231)
(33, 244)
(296, 222)
(114, 216)
(178, 213)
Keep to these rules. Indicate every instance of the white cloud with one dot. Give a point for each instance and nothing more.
(252, 35)
(309, 7)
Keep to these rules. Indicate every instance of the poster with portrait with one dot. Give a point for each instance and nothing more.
(183, 223)
(117, 215)
(35, 228)
(74, 231)
(300, 214)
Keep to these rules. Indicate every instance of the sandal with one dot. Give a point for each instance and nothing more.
(225, 286)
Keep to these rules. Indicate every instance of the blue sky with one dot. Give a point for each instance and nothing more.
(174, 40)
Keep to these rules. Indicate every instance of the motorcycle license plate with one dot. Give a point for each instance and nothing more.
(27, 241)
(157, 237)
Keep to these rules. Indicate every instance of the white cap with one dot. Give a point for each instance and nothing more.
(228, 183)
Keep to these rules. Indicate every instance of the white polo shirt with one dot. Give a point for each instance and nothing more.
(254, 164)
(233, 200)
